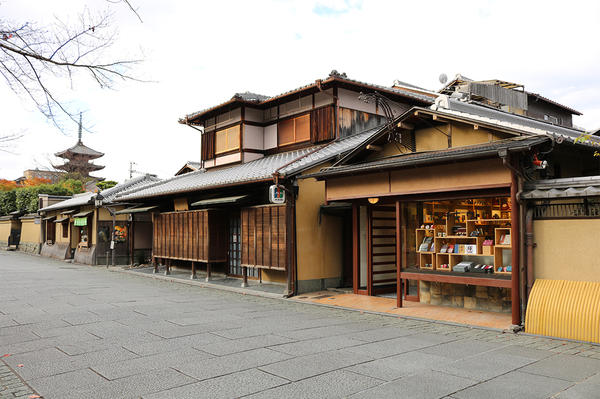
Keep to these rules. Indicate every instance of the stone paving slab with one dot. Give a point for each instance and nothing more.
(84, 332)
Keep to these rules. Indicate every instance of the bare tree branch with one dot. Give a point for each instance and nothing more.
(32, 58)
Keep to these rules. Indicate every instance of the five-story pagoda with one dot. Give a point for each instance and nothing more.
(78, 158)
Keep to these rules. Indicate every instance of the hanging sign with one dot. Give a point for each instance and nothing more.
(80, 222)
(276, 194)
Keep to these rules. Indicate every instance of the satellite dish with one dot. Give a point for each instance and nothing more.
(443, 78)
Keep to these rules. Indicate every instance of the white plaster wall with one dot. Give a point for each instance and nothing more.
(270, 136)
(209, 163)
(253, 137)
(225, 159)
(349, 99)
(251, 156)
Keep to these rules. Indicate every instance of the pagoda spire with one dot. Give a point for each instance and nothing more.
(80, 129)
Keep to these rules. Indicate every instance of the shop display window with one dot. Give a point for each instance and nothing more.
(457, 236)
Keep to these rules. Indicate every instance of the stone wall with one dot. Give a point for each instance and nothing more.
(29, 247)
(491, 299)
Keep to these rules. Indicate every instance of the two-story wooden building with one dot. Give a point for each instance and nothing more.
(220, 216)
(436, 210)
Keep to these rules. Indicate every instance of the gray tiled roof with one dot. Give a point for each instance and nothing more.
(430, 157)
(109, 194)
(287, 163)
(587, 186)
(504, 119)
(77, 200)
(248, 96)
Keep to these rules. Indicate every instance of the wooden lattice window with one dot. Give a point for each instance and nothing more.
(294, 130)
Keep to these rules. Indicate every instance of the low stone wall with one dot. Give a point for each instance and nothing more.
(491, 299)
(85, 255)
(58, 250)
(29, 247)
(3, 244)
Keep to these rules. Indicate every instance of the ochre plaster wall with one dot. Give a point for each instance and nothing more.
(274, 276)
(104, 214)
(4, 229)
(319, 246)
(463, 175)
(30, 232)
(180, 204)
(566, 249)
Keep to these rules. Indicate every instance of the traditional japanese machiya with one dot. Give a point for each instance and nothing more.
(220, 219)
(435, 203)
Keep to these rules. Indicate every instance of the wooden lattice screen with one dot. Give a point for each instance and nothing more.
(192, 236)
(264, 237)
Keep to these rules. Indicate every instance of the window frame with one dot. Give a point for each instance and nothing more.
(295, 119)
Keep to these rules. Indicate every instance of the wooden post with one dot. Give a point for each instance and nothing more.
(369, 251)
(244, 276)
(155, 264)
(193, 276)
(168, 267)
(207, 271)
(398, 257)
(514, 238)
(355, 248)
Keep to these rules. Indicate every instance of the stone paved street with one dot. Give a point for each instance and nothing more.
(75, 331)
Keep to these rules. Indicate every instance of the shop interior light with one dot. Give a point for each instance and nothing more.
(373, 200)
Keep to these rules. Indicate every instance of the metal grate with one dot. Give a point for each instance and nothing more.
(234, 250)
(583, 209)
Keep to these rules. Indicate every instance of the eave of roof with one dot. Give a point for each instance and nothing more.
(573, 187)
(546, 99)
(423, 98)
(433, 157)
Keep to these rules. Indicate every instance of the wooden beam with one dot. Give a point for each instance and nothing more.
(453, 279)
(398, 257)
(407, 126)
(374, 147)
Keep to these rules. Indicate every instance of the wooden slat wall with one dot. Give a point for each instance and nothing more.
(208, 145)
(383, 251)
(192, 235)
(322, 127)
(264, 240)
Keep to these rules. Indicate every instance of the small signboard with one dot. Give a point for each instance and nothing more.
(80, 222)
(276, 194)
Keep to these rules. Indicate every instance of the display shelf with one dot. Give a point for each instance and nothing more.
(489, 220)
(499, 259)
(427, 259)
(442, 259)
(499, 233)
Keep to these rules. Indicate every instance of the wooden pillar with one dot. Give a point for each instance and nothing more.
(155, 264)
(369, 251)
(207, 271)
(514, 243)
(398, 256)
(355, 248)
(193, 276)
(244, 276)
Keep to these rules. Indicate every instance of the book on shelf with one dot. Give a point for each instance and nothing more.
(424, 247)
(505, 239)
(461, 249)
(450, 248)
(456, 248)
(444, 248)
(471, 249)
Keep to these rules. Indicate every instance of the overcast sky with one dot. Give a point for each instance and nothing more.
(199, 53)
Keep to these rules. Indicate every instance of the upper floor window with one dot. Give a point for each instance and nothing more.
(227, 139)
(552, 119)
(294, 130)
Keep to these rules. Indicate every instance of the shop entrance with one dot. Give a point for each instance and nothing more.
(449, 251)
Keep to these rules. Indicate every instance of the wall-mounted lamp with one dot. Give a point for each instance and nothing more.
(373, 200)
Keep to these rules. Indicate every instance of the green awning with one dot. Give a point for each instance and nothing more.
(135, 210)
(82, 214)
(80, 222)
(222, 200)
(61, 220)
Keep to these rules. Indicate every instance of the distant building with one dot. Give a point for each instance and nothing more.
(190, 166)
(53, 175)
(78, 158)
(511, 97)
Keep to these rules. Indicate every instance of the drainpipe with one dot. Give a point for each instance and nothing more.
(530, 246)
